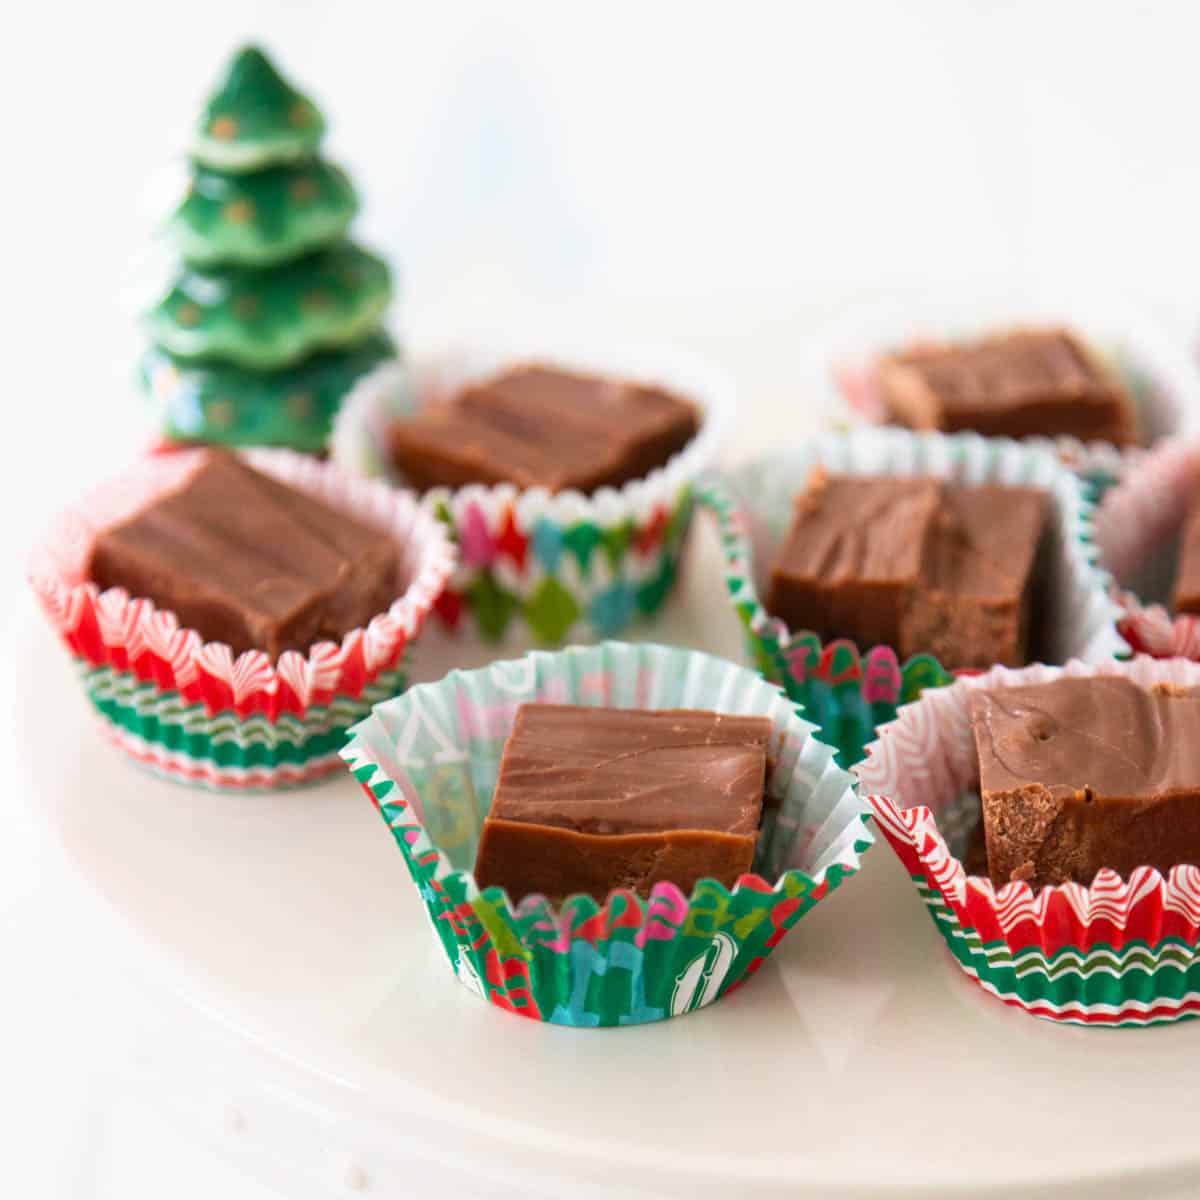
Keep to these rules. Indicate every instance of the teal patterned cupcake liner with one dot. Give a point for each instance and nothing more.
(536, 567)
(849, 692)
(429, 761)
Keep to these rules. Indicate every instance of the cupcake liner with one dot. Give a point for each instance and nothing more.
(534, 566)
(429, 761)
(189, 708)
(849, 692)
(1138, 527)
(1159, 374)
(1121, 952)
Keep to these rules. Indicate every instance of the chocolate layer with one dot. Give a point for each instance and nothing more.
(1084, 773)
(589, 799)
(249, 561)
(914, 563)
(536, 426)
(852, 559)
(974, 600)
(1035, 381)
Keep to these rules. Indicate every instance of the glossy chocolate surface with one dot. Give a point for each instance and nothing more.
(536, 426)
(1083, 773)
(1027, 382)
(589, 799)
(249, 561)
(914, 563)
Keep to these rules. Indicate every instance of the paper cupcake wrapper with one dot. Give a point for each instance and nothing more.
(849, 692)
(189, 708)
(1116, 953)
(1138, 530)
(536, 567)
(429, 761)
(1158, 374)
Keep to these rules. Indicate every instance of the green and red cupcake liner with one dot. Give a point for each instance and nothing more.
(1122, 952)
(429, 759)
(190, 709)
(850, 691)
(537, 568)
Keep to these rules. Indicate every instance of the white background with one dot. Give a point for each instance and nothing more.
(722, 176)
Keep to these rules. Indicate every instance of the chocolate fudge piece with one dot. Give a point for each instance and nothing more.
(915, 563)
(591, 799)
(1186, 595)
(1030, 381)
(249, 561)
(537, 426)
(853, 557)
(974, 600)
(1084, 773)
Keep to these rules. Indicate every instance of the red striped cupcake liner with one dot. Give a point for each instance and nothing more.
(1120, 952)
(193, 710)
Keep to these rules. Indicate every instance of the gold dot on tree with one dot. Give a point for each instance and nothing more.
(220, 414)
(188, 314)
(246, 305)
(303, 187)
(225, 127)
(240, 212)
(300, 405)
(300, 114)
(316, 301)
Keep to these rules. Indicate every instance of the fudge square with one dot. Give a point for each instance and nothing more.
(246, 560)
(538, 426)
(1087, 772)
(853, 556)
(973, 606)
(591, 799)
(1027, 382)
(915, 563)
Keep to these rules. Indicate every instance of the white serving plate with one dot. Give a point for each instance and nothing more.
(858, 1062)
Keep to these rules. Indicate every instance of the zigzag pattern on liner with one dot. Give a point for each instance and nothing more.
(916, 767)
(129, 634)
(146, 699)
(1150, 629)
(184, 766)
(1132, 1012)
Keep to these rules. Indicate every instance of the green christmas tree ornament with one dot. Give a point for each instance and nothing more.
(216, 402)
(264, 217)
(272, 318)
(256, 118)
(274, 313)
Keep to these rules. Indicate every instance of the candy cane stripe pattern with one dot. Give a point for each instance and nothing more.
(1120, 952)
(225, 700)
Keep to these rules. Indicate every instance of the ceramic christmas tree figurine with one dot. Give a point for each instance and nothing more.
(273, 314)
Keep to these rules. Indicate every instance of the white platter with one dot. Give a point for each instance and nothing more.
(858, 1062)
